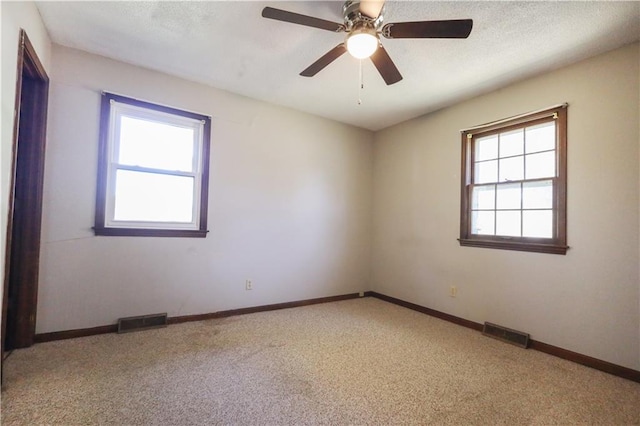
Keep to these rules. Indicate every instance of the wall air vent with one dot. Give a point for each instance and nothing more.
(504, 334)
(143, 322)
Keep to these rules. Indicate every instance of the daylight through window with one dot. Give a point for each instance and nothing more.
(153, 173)
(514, 183)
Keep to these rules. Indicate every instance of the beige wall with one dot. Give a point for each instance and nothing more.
(14, 16)
(289, 206)
(586, 301)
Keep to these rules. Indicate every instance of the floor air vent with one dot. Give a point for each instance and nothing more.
(514, 337)
(143, 322)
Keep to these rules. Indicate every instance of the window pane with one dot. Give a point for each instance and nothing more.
(512, 169)
(152, 197)
(541, 137)
(537, 195)
(483, 197)
(486, 172)
(482, 223)
(508, 223)
(512, 143)
(486, 148)
(155, 145)
(541, 165)
(537, 223)
(509, 196)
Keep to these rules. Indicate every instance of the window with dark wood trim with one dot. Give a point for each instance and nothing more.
(153, 170)
(514, 183)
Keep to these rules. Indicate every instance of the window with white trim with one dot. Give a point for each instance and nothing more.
(153, 170)
(513, 193)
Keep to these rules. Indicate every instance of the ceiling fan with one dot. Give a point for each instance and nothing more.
(363, 23)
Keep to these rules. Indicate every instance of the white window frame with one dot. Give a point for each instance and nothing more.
(114, 108)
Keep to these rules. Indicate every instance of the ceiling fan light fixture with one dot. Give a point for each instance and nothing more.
(362, 44)
(363, 25)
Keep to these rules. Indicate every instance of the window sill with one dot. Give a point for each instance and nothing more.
(141, 232)
(515, 245)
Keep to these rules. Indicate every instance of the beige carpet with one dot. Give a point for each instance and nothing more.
(358, 362)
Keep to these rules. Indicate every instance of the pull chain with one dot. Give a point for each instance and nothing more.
(360, 83)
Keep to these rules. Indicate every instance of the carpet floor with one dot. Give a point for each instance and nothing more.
(357, 362)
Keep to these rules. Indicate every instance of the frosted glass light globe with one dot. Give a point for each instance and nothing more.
(361, 45)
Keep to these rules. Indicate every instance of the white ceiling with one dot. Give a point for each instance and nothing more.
(228, 45)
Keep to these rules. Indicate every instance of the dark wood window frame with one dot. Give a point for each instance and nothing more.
(558, 243)
(100, 227)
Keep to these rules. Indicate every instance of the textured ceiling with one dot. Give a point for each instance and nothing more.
(228, 45)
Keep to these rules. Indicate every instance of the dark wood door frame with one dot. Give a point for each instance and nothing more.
(22, 256)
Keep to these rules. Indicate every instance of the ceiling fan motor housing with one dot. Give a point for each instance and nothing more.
(363, 27)
(352, 16)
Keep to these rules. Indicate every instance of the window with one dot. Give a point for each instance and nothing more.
(153, 170)
(514, 180)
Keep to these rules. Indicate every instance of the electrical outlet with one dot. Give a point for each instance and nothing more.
(249, 285)
(453, 291)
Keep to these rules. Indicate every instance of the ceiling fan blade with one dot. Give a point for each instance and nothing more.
(455, 28)
(385, 66)
(296, 18)
(325, 60)
(371, 8)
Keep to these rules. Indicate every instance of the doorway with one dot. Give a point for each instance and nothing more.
(22, 257)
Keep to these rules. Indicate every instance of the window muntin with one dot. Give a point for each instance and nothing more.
(153, 172)
(514, 183)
